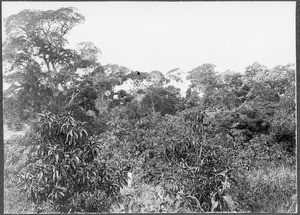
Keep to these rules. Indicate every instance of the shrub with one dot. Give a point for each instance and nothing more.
(16, 157)
(184, 158)
(67, 168)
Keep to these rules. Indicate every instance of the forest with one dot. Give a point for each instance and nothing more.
(227, 144)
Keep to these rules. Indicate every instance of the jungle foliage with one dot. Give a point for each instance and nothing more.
(198, 150)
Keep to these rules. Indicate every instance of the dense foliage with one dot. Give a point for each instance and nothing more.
(86, 131)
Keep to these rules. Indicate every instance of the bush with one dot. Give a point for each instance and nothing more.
(16, 157)
(66, 168)
(182, 157)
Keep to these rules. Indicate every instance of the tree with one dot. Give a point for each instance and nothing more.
(88, 52)
(204, 77)
(156, 78)
(163, 100)
(279, 79)
(284, 124)
(227, 93)
(42, 34)
(205, 80)
(105, 80)
(116, 75)
(37, 65)
(192, 97)
(175, 74)
(137, 78)
(254, 69)
(232, 79)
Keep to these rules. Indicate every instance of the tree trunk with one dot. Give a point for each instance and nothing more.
(153, 108)
(47, 64)
(53, 66)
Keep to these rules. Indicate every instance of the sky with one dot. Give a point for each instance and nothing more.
(147, 36)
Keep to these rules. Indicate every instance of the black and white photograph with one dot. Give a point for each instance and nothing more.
(149, 107)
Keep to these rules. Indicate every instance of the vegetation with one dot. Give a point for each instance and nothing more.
(227, 145)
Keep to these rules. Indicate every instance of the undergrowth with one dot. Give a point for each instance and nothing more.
(264, 190)
(269, 189)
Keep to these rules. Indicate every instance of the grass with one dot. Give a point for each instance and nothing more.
(14, 203)
(270, 189)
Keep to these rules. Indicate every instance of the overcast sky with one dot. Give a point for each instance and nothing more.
(148, 36)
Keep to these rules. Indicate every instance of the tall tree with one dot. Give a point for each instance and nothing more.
(160, 99)
(156, 78)
(206, 81)
(105, 80)
(89, 54)
(254, 69)
(203, 77)
(37, 65)
(175, 74)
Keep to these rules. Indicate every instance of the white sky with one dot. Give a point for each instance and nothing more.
(148, 36)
